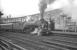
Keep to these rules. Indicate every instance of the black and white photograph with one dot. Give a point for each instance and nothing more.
(38, 24)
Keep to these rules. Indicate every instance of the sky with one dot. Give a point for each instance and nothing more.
(0, 5)
(18, 8)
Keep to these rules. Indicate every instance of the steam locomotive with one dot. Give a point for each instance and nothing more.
(26, 26)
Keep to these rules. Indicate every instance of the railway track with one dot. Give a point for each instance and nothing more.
(5, 44)
(58, 42)
(29, 44)
(23, 40)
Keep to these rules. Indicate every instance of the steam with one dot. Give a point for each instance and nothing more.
(68, 7)
(71, 9)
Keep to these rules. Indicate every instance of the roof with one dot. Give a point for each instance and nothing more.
(36, 16)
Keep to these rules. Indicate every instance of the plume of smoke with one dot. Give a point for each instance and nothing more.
(43, 5)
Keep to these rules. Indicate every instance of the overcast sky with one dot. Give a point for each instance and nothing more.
(18, 8)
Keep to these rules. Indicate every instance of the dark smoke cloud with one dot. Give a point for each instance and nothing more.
(43, 5)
